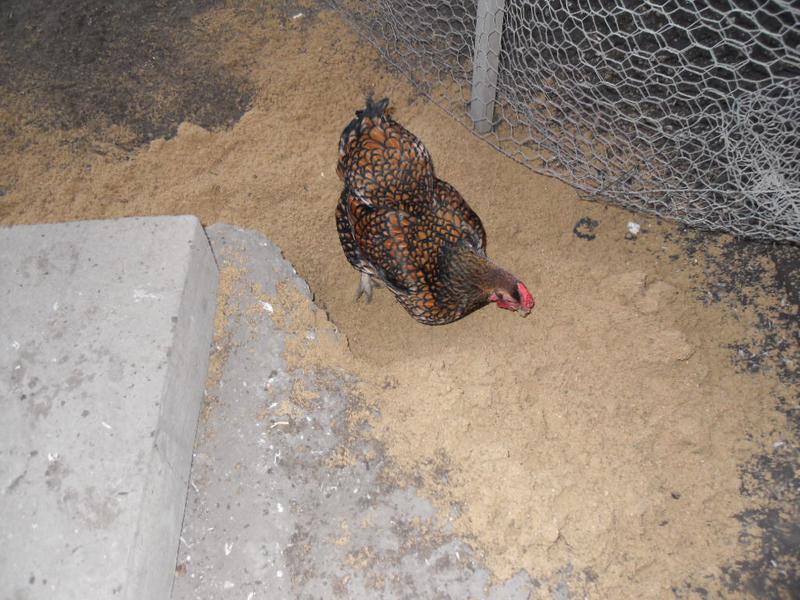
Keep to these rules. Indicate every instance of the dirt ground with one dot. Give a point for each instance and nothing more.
(640, 428)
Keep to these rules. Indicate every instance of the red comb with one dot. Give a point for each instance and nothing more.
(527, 298)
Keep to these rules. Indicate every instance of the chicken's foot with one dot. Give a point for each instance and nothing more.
(365, 287)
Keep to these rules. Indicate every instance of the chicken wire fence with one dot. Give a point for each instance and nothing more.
(687, 110)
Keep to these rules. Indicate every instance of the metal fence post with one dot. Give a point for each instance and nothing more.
(486, 58)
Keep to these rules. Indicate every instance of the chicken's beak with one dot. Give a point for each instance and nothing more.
(527, 303)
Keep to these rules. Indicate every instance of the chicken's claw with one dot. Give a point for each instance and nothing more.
(365, 287)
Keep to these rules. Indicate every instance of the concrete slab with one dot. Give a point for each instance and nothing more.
(104, 337)
(273, 511)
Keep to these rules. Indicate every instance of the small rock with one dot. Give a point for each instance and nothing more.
(633, 230)
(550, 533)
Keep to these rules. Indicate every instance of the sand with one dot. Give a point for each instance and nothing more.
(607, 431)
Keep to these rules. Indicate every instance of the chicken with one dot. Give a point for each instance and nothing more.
(401, 226)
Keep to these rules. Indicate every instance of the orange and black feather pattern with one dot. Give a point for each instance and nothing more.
(382, 161)
(400, 224)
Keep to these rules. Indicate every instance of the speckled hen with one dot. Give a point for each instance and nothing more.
(403, 227)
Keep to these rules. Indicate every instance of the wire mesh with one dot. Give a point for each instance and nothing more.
(687, 110)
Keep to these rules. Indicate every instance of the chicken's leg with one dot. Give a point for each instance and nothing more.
(365, 287)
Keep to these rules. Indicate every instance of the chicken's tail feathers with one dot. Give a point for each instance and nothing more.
(374, 111)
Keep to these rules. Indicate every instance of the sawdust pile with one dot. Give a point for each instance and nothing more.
(605, 431)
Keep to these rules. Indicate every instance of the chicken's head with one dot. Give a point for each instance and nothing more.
(518, 298)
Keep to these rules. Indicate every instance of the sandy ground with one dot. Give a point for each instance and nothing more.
(640, 427)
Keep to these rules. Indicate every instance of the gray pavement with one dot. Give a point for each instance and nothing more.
(105, 329)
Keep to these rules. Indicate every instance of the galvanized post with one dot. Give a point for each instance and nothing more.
(488, 35)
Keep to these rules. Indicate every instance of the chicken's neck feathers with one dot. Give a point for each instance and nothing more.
(468, 274)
